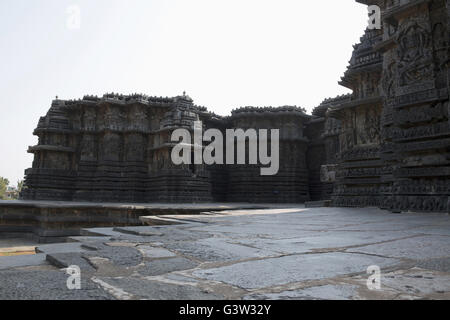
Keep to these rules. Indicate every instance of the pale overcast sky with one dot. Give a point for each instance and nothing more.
(223, 53)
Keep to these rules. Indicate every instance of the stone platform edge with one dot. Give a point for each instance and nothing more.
(53, 221)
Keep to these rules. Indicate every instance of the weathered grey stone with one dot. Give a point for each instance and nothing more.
(235, 253)
(60, 248)
(326, 292)
(442, 264)
(9, 262)
(418, 248)
(290, 269)
(418, 282)
(65, 260)
(324, 241)
(216, 249)
(46, 285)
(152, 252)
(153, 290)
(84, 239)
(162, 266)
(119, 256)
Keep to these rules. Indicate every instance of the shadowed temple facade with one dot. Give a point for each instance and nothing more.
(387, 144)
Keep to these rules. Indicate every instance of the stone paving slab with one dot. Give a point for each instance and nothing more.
(119, 256)
(65, 260)
(289, 269)
(419, 282)
(46, 285)
(133, 288)
(442, 264)
(162, 266)
(60, 248)
(322, 241)
(219, 250)
(326, 292)
(419, 248)
(168, 234)
(87, 239)
(433, 230)
(22, 261)
(285, 253)
(152, 252)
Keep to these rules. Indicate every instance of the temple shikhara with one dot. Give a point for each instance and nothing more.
(387, 144)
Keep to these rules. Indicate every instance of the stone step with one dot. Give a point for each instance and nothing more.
(65, 260)
(22, 261)
(60, 248)
(89, 239)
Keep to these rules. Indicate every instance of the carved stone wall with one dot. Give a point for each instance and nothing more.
(394, 138)
(118, 149)
(387, 144)
(415, 86)
(115, 149)
(290, 184)
(360, 171)
(323, 133)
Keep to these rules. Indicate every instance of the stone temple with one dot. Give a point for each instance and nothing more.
(385, 145)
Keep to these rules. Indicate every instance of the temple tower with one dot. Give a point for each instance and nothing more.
(360, 171)
(290, 184)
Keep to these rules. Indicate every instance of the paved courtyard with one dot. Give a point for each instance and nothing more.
(279, 253)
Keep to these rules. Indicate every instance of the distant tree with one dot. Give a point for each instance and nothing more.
(19, 189)
(19, 185)
(4, 183)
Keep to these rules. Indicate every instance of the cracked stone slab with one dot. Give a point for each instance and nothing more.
(419, 282)
(179, 233)
(136, 288)
(85, 239)
(433, 230)
(290, 269)
(325, 241)
(163, 266)
(252, 229)
(46, 285)
(218, 250)
(180, 278)
(419, 248)
(325, 292)
(442, 265)
(121, 244)
(105, 268)
(60, 248)
(152, 252)
(168, 234)
(273, 254)
(119, 256)
(381, 226)
(9, 262)
(65, 260)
